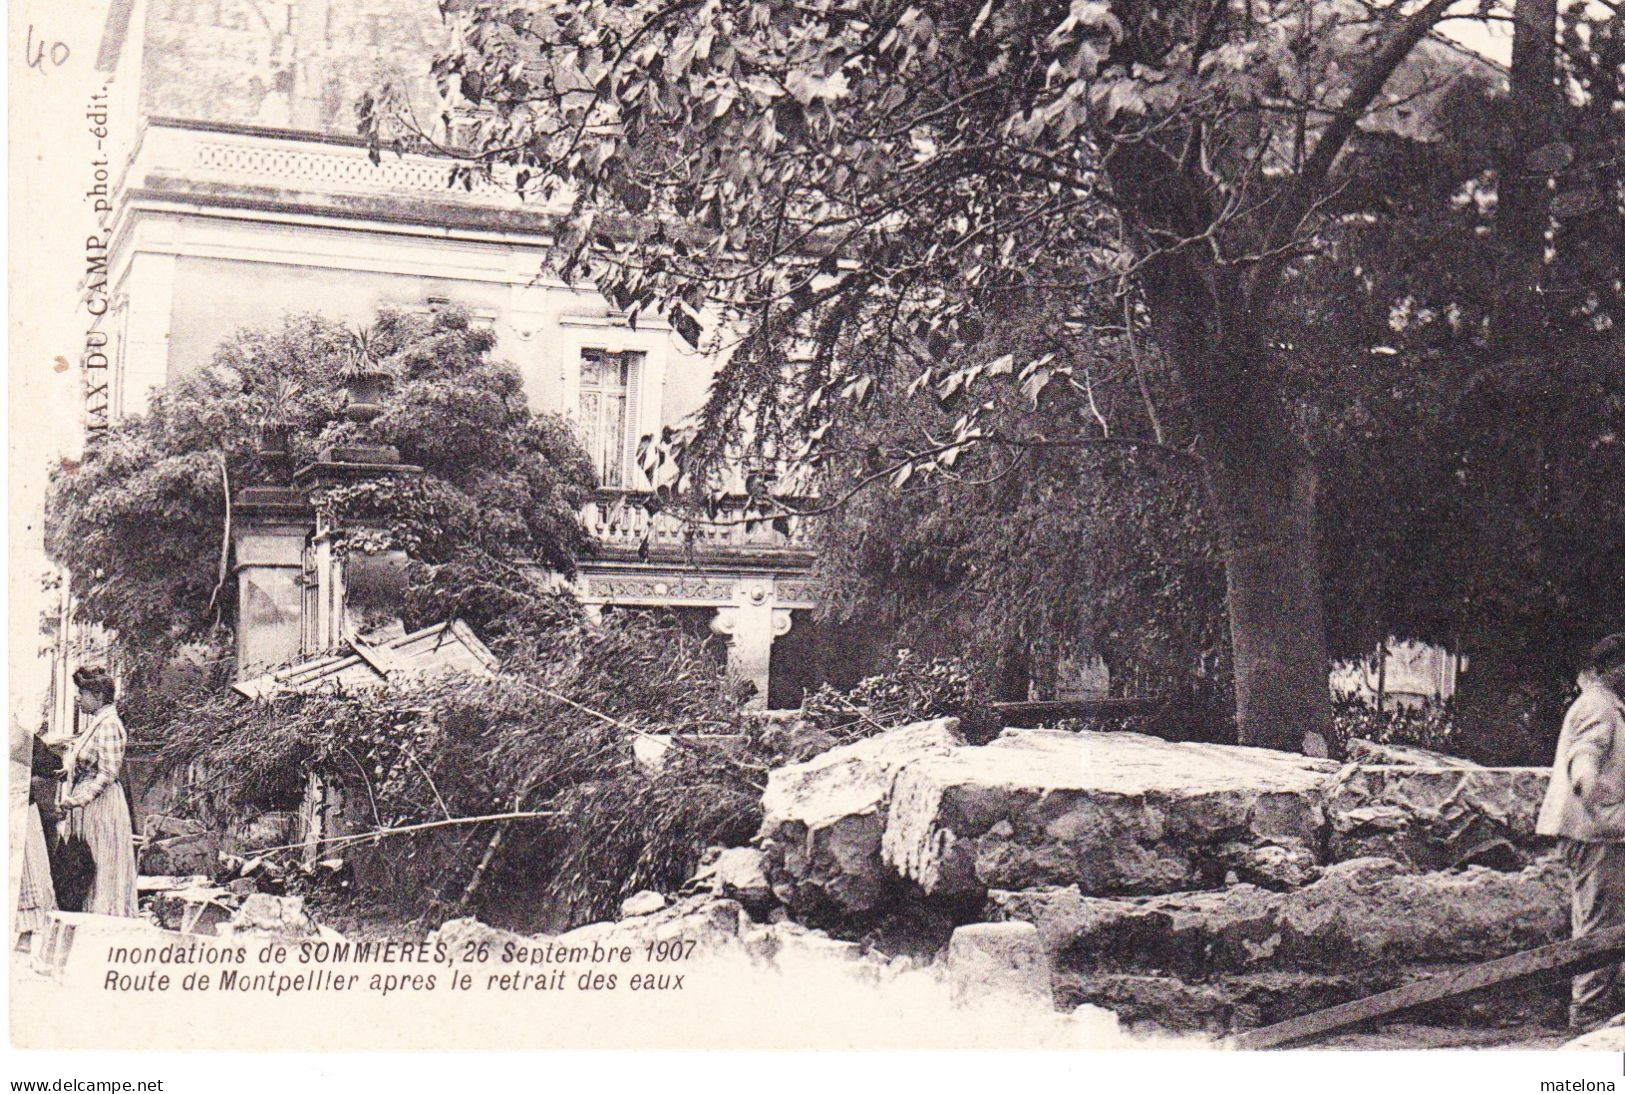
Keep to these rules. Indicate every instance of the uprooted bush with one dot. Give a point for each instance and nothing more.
(552, 734)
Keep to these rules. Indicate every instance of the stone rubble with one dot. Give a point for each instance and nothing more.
(1187, 884)
(999, 961)
(823, 819)
(1436, 819)
(1361, 913)
(642, 903)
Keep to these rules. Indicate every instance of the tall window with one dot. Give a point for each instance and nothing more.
(608, 393)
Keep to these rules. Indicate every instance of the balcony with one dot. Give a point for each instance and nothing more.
(622, 526)
(251, 166)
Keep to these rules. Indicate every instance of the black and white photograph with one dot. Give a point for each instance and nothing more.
(1061, 525)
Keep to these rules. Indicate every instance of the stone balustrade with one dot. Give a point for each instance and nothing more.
(219, 161)
(622, 521)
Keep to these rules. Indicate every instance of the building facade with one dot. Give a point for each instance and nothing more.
(242, 196)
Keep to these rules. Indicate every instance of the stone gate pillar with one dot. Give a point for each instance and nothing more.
(268, 542)
(751, 624)
(339, 466)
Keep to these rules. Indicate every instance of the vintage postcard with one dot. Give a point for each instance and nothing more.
(1025, 524)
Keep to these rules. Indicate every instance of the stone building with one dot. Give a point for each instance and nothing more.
(242, 195)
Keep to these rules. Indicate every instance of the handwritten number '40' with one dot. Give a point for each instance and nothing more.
(38, 53)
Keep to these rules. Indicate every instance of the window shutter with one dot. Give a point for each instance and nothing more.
(633, 476)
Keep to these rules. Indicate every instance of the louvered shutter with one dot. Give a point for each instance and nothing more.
(634, 477)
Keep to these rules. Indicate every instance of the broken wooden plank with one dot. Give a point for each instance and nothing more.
(1577, 955)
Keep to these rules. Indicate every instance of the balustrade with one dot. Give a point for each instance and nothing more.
(622, 519)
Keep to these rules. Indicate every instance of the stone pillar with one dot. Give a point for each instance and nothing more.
(340, 466)
(270, 526)
(149, 317)
(751, 623)
(327, 606)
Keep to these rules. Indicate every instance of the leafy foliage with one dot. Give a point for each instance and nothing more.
(139, 523)
(914, 689)
(1469, 470)
(906, 170)
(1431, 725)
(1070, 536)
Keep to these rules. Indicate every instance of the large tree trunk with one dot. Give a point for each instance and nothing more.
(1522, 196)
(1260, 481)
(1262, 488)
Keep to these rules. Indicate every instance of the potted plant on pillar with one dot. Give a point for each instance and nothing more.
(276, 424)
(366, 378)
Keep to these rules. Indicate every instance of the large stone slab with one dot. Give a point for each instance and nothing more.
(823, 819)
(1360, 914)
(1361, 751)
(1436, 818)
(1109, 812)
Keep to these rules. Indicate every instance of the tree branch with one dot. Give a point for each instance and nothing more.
(225, 542)
(1310, 180)
(1365, 91)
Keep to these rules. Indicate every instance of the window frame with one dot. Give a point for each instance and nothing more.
(632, 364)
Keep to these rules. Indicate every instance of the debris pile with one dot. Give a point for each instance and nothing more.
(1186, 885)
(188, 881)
(1183, 886)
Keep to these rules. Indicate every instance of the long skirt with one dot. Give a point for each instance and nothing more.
(38, 894)
(104, 825)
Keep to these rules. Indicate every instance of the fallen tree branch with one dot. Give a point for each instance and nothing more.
(225, 542)
(379, 833)
(492, 848)
(671, 739)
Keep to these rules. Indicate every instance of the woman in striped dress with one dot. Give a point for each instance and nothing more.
(92, 803)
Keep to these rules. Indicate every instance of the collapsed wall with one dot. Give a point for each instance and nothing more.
(1187, 884)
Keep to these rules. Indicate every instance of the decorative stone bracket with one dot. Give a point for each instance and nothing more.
(750, 625)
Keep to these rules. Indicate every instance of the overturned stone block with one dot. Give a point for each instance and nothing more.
(823, 819)
(645, 902)
(279, 916)
(999, 962)
(712, 924)
(1436, 818)
(1114, 813)
(467, 936)
(182, 855)
(739, 875)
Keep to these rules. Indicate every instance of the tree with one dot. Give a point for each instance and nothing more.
(896, 169)
(1056, 546)
(1462, 370)
(140, 523)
